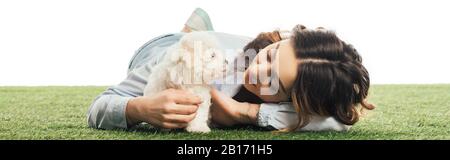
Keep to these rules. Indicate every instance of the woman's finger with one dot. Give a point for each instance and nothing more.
(184, 97)
(179, 118)
(219, 99)
(181, 109)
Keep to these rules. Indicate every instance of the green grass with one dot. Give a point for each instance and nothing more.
(403, 112)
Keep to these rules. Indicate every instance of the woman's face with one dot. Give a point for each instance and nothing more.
(277, 60)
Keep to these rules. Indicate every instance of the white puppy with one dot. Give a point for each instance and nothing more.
(190, 64)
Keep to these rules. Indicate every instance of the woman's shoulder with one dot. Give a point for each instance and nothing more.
(231, 38)
(227, 40)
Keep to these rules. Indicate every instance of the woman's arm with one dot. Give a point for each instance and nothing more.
(228, 112)
(283, 115)
(107, 111)
(122, 105)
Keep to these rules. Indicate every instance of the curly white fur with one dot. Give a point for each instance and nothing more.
(190, 64)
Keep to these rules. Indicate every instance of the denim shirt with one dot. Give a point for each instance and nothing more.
(107, 111)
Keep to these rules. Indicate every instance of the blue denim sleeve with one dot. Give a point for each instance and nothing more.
(107, 111)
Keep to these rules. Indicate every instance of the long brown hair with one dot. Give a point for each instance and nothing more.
(260, 42)
(331, 79)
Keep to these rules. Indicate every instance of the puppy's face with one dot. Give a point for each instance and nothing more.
(201, 59)
(213, 64)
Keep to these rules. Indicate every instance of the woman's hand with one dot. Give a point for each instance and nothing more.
(226, 111)
(168, 109)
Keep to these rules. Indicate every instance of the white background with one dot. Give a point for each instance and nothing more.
(90, 42)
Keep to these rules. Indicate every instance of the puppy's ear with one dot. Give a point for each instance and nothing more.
(175, 77)
(187, 54)
(176, 52)
(181, 56)
(187, 59)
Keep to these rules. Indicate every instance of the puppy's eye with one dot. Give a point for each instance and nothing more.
(213, 55)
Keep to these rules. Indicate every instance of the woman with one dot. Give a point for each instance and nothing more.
(322, 76)
(321, 82)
